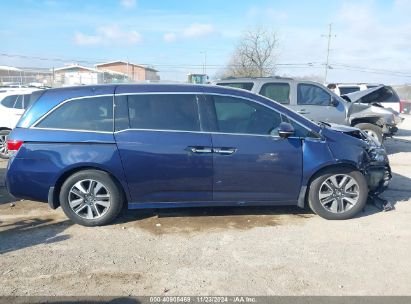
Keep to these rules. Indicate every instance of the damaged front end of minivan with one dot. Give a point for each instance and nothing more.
(374, 165)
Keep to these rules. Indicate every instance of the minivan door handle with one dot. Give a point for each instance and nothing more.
(224, 151)
(303, 111)
(200, 149)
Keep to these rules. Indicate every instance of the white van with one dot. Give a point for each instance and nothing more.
(13, 103)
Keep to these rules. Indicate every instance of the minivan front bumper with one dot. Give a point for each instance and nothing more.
(378, 177)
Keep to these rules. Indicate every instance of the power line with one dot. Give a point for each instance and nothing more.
(288, 65)
(179, 65)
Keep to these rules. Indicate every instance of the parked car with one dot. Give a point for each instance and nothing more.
(382, 95)
(13, 102)
(92, 149)
(378, 97)
(346, 88)
(316, 102)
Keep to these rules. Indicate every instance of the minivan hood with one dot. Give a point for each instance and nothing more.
(342, 128)
(353, 132)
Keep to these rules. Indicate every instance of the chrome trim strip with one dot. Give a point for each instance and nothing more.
(221, 94)
(160, 93)
(159, 130)
(164, 93)
(203, 132)
(72, 130)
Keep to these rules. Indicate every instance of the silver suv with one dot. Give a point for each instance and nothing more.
(318, 103)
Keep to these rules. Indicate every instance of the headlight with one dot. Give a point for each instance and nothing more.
(377, 154)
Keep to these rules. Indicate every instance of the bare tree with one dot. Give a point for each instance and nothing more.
(254, 55)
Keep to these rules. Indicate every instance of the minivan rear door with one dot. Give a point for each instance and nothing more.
(166, 157)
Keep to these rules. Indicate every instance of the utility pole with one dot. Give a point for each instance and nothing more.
(205, 62)
(329, 36)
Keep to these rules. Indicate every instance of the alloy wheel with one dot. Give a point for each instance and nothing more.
(89, 199)
(3, 145)
(339, 193)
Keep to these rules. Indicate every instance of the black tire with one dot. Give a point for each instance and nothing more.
(372, 128)
(116, 197)
(4, 153)
(317, 183)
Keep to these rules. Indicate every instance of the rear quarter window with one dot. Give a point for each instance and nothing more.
(89, 114)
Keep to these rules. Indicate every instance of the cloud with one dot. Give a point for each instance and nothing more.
(108, 35)
(196, 30)
(169, 37)
(128, 3)
(192, 31)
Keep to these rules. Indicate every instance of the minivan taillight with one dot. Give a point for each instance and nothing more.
(13, 146)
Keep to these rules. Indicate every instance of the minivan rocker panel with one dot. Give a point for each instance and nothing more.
(92, 149)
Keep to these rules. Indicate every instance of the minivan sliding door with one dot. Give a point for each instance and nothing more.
(166, 157)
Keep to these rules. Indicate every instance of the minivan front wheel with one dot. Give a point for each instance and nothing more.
(338, 193)
(91, 198)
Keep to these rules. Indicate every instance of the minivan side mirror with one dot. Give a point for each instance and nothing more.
(285, 129)
(334, 102)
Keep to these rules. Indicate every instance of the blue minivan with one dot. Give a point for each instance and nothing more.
(94, 149)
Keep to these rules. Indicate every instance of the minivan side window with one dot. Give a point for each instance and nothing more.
(241, 116)
(309, 94)
(164, 112)
(279, 92)
(89, 114)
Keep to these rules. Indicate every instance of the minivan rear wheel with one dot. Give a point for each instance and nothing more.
(4, 152)
(338, 193)
(372, 130)
(91, 198)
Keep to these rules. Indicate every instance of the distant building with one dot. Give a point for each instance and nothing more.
(134, 72)
(75, 74)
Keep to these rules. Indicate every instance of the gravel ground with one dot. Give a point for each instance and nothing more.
(213, 251)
